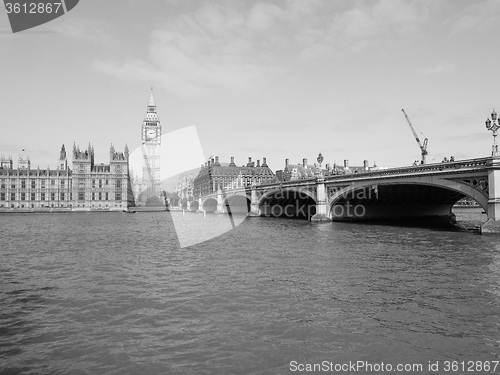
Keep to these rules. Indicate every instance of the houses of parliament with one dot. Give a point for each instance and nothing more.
(117, 185)
(87, 185)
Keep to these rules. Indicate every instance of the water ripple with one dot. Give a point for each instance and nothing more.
(115, 294)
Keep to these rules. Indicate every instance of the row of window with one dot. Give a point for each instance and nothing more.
(207, 187)
(53, 196)
(100, 196)
(44, 182)
(33, 206)
(118, 183)
(100, 183)
(118, 168)
(52, 205)
(23, 183)
(82, 183)
(243, 178)
(43, 196)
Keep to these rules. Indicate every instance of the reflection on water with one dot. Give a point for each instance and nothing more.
(114, 293)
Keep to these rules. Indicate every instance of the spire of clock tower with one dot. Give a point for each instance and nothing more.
(151, 115)
(151, 103)
(151, 148)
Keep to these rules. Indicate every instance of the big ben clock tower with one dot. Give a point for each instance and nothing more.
(151, 140)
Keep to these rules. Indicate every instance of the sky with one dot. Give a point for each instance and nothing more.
(276, 79)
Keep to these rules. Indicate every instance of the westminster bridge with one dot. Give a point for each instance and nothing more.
(426, 192)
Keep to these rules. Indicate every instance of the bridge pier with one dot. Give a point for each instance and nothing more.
(493, 212)
(321, 204)
(200, 206)
(254, 203)
(220, 202)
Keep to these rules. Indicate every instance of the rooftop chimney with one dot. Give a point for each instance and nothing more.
(365, 164)
(232, 161)
(264, 164)
(249, 162)
(346, 164)
(304, 163)
(286, 163)
(217, 161)
(258, 163)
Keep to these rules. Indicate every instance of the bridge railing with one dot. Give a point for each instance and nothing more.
(419, 169)
(478, 163)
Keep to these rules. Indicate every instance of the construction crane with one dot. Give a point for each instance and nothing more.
(423, 147)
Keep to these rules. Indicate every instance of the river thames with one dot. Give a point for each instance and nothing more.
(114, 293)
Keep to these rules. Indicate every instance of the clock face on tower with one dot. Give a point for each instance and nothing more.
(151, 134)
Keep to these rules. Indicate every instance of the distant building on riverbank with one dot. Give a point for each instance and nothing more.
(304, 170)
(213, 176)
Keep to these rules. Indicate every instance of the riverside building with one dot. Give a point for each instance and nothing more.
(213, 176)
(86, 186)
(304, 170)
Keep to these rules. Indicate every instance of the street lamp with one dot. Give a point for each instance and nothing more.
(493, 125)
(320, 160)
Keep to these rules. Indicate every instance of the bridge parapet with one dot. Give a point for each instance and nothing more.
(479, 164)
(463, 165)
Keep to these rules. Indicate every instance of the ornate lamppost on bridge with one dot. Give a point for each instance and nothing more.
(321, 195)
(320, 160)
(493, 125)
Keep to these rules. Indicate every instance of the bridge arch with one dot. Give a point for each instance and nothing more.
(237, 203)
(194, 206)
(288, 202)
(424, 198)
(209, 205)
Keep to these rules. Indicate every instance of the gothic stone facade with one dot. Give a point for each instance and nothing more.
(84, 187)
(100, 186)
